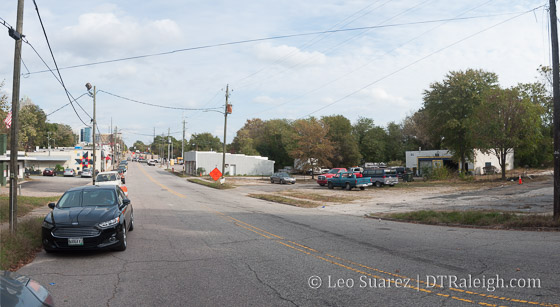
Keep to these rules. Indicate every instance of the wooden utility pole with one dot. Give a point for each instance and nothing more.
(183, 147)
(556, 99)
(15, 110)
(225, 129)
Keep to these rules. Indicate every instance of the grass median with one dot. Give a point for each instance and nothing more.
(496, 219)
(25, 204)
(286, 200)
(215, 184)
(20, 248)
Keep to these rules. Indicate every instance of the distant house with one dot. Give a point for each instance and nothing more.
(235, 164)
(422, 159)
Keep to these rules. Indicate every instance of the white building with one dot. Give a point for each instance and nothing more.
(418, 160)
(236, 164)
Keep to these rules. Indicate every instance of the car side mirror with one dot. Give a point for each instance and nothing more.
(52, 205)
(126, 201)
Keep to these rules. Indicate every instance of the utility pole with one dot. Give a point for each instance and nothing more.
(168, 142)
(183, 147)
(15, 110)
(556, 99)
(94, 123)
(226, 111)
(153, 142)
(49, 141)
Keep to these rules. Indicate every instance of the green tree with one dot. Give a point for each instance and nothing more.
(394, 143)
(504, 120)
(416, 132)
(346, 152)
(312, 146)
(450, 106)
(204, 142)
(60, 135)
(32, 120)
(275, 142)
(244, 141)
(139, 145)
(370, 139)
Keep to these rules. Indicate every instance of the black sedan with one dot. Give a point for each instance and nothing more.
(88, 217)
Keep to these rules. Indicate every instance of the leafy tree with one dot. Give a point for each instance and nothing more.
(275, 141)
(312, 146)
(370, 139)
(504, 120)
(346, 151)
(204, 142)
(60, 134)
(450, 105)
(244, 141)
(32, 128)
(416, 132)
(139, 145)
(394, 143)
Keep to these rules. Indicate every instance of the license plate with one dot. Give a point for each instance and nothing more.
(75, 241)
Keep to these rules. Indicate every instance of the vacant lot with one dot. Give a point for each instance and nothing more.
(533, 196)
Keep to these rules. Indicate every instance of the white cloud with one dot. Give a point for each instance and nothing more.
(100, 34)
(288, 56)
(267, 100)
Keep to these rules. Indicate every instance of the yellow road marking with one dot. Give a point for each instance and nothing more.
(161, 185)
(305, 249)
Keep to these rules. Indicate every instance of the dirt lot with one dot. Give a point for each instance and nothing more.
(535, 195)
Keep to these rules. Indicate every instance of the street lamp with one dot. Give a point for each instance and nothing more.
(89, 87)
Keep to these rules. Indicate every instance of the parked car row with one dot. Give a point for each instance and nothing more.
(359, 177)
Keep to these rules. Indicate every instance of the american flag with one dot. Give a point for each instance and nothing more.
(8, 120)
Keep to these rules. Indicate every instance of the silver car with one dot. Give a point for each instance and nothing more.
(86, 172)
(69, 172)
(282, 178)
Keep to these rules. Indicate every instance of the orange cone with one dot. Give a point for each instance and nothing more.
(520, 181)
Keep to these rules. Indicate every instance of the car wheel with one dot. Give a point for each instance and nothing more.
(348, 187)
(294, 182)
(131, 221)
(322, 184)
(331, 186)
(271, 181)
(282, 181)
(122, 238)
(378, 184)
(362, 188)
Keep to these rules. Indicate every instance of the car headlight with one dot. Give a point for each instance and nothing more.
(47, 225)
(110, 223)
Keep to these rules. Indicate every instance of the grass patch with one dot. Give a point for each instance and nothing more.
(286, 200)
(215, 184)
(20, 248)
(477, 218)
(319, 197)
(25, 204)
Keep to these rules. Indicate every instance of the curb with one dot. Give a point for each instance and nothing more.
(548, 229)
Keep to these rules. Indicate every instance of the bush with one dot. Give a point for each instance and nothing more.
(201, 170)
(437, 173)
(58, 168)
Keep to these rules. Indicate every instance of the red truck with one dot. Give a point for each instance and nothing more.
(322, 179)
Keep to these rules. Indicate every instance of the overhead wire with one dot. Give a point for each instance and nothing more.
(368, 63)
(266, 39)
(154, 105)
(55, 64)
(417, 61)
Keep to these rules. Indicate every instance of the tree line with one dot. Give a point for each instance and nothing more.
(34, 130)
(465, 111)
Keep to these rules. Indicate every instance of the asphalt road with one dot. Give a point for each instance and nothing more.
(196, 246)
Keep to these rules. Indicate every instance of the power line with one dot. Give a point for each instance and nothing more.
(55, 64)
(272, 38)
(363, 66)
(419, 60)
(156, 105)
(66, 105)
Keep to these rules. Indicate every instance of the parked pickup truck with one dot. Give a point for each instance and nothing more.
(348, 180)
(322, 179)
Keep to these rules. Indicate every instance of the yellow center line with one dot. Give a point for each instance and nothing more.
(312, 252)
(161, 185)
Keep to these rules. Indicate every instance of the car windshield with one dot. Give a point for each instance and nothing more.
(333, 171)
(87, 198)
(106, 177)
(283, 175)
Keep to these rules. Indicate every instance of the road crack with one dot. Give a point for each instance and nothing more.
(269, 286)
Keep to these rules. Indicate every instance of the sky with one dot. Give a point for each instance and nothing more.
(274, 56)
